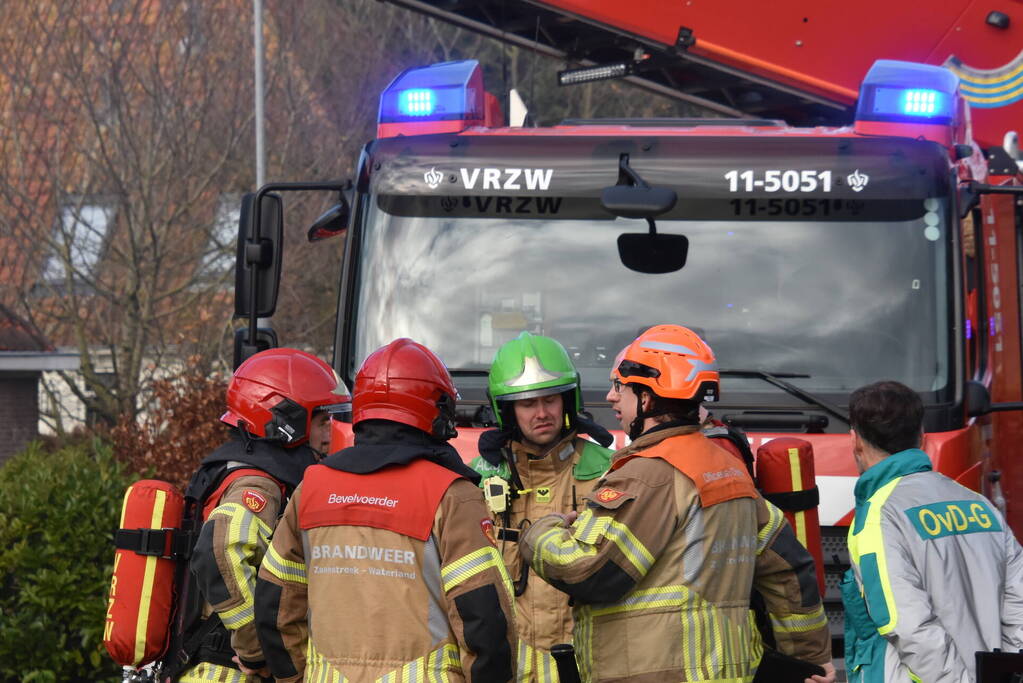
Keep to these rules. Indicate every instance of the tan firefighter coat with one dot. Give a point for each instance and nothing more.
(662, 562)
(226, 558)
(556, 482)
(388, 576)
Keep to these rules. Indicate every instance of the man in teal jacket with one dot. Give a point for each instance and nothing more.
(936, 573)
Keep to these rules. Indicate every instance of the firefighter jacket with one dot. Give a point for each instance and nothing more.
(662, 562)
(240, 516)
(936, 576)
(555, 482)
(384, 568)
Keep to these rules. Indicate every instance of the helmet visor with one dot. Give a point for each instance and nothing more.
(335, 408)
(629, 368)
(536, 393)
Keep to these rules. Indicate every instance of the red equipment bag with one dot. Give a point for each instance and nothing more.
(785, 476)
(141, 601)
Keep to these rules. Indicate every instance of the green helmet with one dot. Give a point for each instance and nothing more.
(529, 366)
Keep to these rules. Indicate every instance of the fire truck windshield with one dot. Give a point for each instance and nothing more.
(843, 302)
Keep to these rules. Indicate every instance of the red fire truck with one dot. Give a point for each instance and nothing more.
(813, 259)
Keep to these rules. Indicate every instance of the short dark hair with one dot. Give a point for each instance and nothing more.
(888, 415)
(681, 410)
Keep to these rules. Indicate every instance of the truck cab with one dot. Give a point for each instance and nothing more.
(812, 260)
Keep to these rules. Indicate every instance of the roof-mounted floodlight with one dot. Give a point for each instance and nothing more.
(601, 72)
(908, 93)
(441, 98)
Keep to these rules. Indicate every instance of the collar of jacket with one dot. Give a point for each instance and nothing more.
(379, 443)
(654, 436)
(286, 465)
(895, 465)
(591, 460)
(563, 449)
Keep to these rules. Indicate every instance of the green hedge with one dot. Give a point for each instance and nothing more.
(58, 510)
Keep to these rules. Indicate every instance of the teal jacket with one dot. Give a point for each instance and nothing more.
(936, 576)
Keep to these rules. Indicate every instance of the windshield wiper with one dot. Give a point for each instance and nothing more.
(775, 379)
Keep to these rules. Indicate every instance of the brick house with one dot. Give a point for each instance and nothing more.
(24, 356)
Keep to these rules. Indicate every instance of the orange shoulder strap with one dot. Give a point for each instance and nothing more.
(714, 471)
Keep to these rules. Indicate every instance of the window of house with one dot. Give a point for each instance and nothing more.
(79, 239)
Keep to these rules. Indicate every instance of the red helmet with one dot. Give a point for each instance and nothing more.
(672, 361)
(274, 394)
(406, 382)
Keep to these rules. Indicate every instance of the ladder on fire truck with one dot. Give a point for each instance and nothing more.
(793, 60)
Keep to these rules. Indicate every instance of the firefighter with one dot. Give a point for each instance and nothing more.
(936, 574)
(540, 465)
(384, 565)
(662, 562)
(271, 401)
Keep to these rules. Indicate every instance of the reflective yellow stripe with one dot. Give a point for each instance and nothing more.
(582, 639)
(555, 548)
(146, 598)
(765, 534)
(124, 506)
(204, 672)
(318, 669)
(649, 598)
(247, 534)
(797, 485)
(712, 643)
(285, 570)
(467, 566)
(524, 662)
(870, 540)
(427, 669)
(799, 623)
(530, 659)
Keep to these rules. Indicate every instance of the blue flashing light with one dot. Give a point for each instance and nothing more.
(907, 92)
(449, 91)
(416, 102)
(923, 102)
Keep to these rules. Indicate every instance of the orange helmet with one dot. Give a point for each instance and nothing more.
(672, 361)
(275, 392)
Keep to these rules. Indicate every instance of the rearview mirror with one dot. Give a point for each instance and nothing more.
(257, 273)
(653, 253)
(334, 221)
(638, 201)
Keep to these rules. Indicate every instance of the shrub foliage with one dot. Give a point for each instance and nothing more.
(179, 428)
(58, 512)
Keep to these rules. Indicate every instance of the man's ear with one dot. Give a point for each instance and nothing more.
(646, 401)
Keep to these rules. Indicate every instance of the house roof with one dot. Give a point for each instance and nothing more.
(22, 348)
(16, 334)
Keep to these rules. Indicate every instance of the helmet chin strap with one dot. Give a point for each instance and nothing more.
(636, 426)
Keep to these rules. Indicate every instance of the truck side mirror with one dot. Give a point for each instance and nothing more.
(977, 399)
(266, 338)
(334, 221)
(258, 261)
